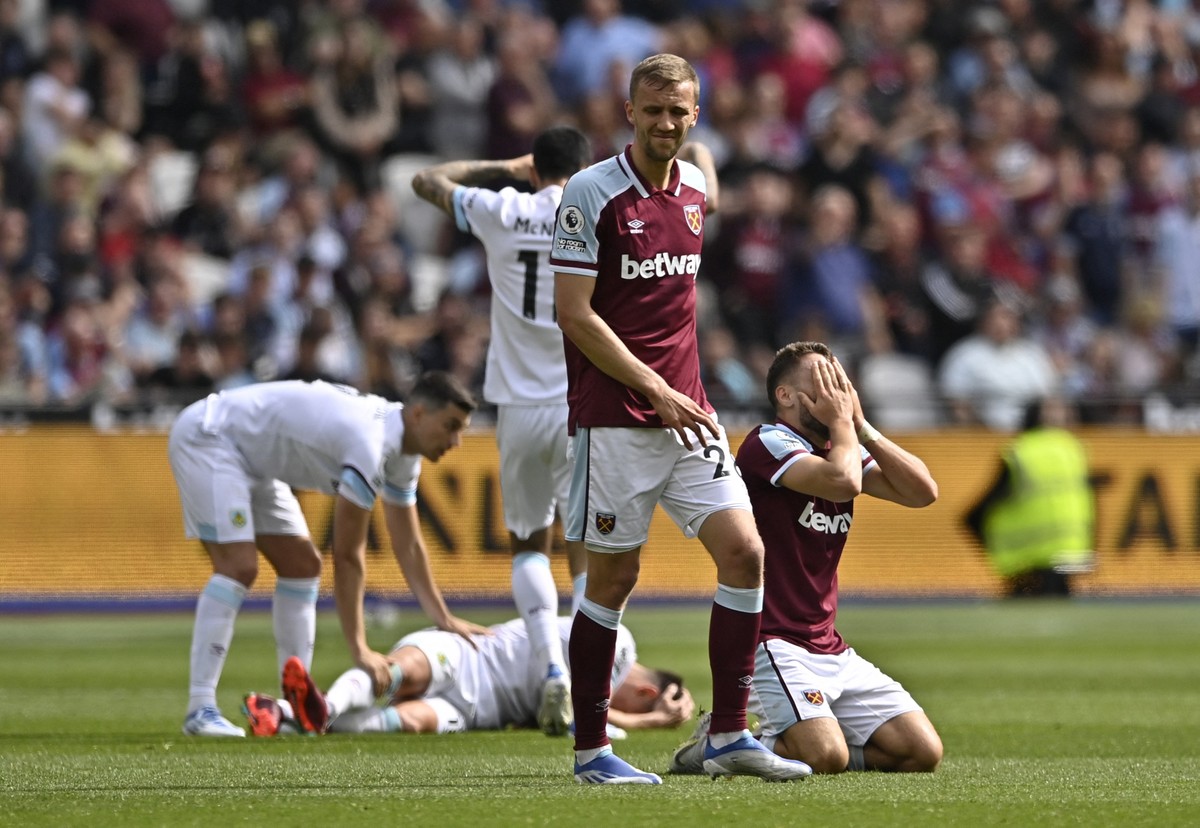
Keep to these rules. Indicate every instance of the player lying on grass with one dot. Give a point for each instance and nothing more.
(443, 684)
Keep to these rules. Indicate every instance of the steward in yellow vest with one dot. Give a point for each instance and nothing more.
(1037, 523)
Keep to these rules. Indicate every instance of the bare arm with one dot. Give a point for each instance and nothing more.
(349, 580)
(592, 335)
(409, 548)
(702, 157)
(436, 184)
(899, 476)
(668, 711)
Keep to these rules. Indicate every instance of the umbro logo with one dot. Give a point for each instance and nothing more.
(636, 226)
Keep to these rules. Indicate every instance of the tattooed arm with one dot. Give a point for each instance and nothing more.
(437, 184)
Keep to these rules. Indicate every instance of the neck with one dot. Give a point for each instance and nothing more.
(792, 421)
(657, 173)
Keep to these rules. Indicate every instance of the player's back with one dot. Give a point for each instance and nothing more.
(303, 433)
(525, 363)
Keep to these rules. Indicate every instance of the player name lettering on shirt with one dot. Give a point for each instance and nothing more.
(533, 227)
(663, 264)
(821, 522)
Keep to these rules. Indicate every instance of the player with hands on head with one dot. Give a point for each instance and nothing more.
(819, 701)
(627, 249)
(526, 374)
(237, 456)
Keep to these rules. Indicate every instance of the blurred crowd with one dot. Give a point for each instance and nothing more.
(976, 204)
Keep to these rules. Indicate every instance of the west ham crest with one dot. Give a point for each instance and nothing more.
(814, 697)
(695, 218)
(605, 523)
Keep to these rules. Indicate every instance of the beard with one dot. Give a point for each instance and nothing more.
(811, 423)
(654, 147)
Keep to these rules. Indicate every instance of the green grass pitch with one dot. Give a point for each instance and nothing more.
(1052, 713)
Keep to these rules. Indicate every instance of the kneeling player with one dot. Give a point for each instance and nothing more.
(441, 684)
(817, 700)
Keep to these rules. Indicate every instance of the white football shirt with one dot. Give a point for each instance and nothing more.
(525, 363)
(319, 436)
(506, 674)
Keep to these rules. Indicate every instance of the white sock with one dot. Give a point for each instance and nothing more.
(578, 588)
(585, 756)
(353, 690)
(371, 720)
(536, 598)
(294, 617)
(720, 740)
(216, 610)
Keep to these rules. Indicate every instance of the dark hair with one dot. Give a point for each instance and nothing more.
(438, 389)
(665, 678)
(560, 152)
(787, 358)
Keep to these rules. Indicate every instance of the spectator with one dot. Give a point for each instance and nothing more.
(757, 245)
(356, 104)
(592, 42)
(1064, 330)
(144, 26)
(520, 102)
(955, 289)
(120, 100)
(460, 77)
(15, 57)
(192, 99)
(53, 109)
(187, 377)
(22, 361)
(101, 155)
(18, 186)
(152, 336)
(209, 222)
(83, 367)
(1100, 231)
(991, 375)
(274, 96)
(1178, 258)
(898, 265)
(841, 154)
(835, 284)
(802, 51)
(232, 362)
(62, 202)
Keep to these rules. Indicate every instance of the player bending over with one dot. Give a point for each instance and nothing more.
(443, 684)
(817, 700)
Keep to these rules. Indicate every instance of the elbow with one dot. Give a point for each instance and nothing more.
(844, 489)
(926, 495)
(419, 183)
(931, 494)
(569, 324)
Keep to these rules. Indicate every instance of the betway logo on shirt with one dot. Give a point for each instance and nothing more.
(821, 522)
(663, 264)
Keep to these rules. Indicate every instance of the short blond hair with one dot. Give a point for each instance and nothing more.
(662, 71)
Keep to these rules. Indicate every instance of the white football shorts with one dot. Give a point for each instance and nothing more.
(792, 684)
(618, 475)
(458, 680)
(535, 472)
(222, 501)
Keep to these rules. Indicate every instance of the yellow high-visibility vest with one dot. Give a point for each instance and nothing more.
(1049, 518)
